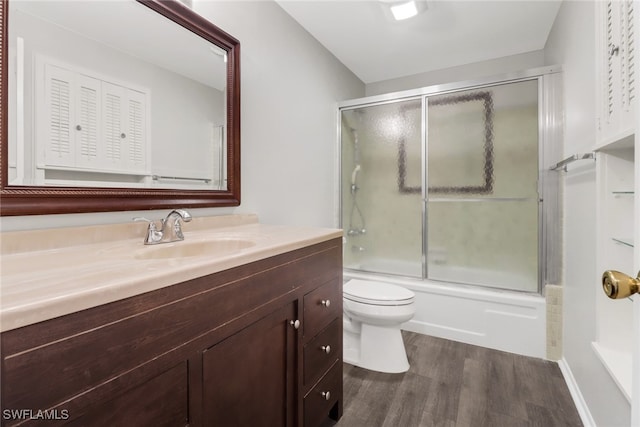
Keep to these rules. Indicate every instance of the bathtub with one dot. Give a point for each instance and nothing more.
(494, 318)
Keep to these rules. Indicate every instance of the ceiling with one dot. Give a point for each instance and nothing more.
(448, 34)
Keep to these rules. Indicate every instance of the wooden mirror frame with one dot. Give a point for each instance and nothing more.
(37, 200)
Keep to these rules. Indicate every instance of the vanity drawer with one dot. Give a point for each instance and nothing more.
(321, 352)
(321, 306)
(321, 399)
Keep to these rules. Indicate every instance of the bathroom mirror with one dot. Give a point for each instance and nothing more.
(114, 106)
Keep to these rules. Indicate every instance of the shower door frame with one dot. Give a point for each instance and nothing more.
(549, 149)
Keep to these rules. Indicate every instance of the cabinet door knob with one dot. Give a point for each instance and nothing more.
(78, 127)
(326, 348)
(295, 324)
(326, 395)
(123, 135)
(325, 302)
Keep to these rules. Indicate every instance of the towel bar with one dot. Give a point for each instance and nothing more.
(563, 164)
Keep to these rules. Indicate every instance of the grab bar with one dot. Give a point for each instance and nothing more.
(563, 164)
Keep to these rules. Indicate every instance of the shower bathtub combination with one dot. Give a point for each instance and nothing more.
(446, 191)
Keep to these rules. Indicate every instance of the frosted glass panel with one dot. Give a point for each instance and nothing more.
(461, 143)
(482, 209)
(484, 143)
(488, 243)
(381, 221)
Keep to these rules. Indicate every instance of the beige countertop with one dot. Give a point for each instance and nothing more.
(49, 273)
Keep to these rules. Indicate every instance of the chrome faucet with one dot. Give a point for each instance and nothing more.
(170, 228)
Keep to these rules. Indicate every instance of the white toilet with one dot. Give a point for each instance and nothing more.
(373, 313)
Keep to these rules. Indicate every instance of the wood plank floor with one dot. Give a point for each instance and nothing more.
(455, 384)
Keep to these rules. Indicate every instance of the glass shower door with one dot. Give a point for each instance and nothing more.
(482, 179)
(381, 187)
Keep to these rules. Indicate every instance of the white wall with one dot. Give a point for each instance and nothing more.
(473, 71)
(290, 85)
(572, 44)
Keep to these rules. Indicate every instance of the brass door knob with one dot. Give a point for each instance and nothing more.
(618, 285)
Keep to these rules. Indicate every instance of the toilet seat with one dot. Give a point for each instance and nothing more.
(376, 293)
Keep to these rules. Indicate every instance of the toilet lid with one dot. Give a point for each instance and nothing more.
(377, 293)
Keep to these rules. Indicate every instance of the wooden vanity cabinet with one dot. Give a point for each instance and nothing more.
(219, 350)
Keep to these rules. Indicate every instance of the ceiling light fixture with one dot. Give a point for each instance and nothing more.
(403, 9)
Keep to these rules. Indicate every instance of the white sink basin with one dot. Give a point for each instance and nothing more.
(202, 248)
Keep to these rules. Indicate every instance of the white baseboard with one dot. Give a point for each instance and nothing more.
(578, 399)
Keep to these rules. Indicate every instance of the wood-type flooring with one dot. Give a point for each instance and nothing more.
(454, 384)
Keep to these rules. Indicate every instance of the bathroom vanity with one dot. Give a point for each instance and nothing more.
(251, 335)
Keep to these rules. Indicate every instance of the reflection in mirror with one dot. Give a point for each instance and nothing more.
(89, 107)
(124, 105)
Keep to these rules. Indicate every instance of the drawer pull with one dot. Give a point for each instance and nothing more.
(295, 324)
(326, 395)
(326, 348)
(325, 302)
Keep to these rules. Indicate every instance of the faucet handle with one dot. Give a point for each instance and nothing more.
(152, 224)
(153, 235)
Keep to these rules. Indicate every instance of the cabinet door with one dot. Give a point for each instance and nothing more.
(114, 120)
(615, 69)
(58, 118)
(135, 132)
(87, 127)
(249, 378)
(124, 118)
